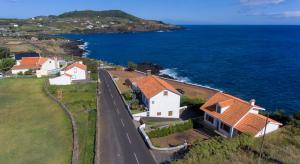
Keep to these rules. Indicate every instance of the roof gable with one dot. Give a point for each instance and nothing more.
(236, 111)
(78, 65)
(254, 123)
(152, 85)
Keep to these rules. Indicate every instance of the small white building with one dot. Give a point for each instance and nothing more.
(74, 72)
(160, 98)
(40, 65)
(229, 116)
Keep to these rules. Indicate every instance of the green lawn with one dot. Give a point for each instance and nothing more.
(81, 101)
(33, 129)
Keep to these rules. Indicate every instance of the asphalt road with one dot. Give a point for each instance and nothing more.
(120, 141)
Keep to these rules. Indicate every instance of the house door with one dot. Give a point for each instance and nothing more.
(218, 123)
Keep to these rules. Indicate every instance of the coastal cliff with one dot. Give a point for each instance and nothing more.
(87, 21)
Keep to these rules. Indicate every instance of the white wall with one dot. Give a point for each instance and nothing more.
(77, 73)
(16, 71)
(60, 80)
(164, 104)
(47, 66)
(271, 127)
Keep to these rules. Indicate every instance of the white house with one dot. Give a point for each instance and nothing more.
(160, 98)
(41, 65)
(74, 72)
(229, 116)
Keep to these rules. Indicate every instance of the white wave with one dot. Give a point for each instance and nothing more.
(172, 72)
(84, 47)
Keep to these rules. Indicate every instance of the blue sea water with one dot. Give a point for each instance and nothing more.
(260, 62)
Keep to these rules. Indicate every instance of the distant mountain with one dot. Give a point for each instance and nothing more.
(86, 21)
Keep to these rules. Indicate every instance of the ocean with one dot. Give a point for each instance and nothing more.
(250, 62)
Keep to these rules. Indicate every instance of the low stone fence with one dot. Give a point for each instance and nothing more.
(127, 106)
(75, 153)
(151, 146)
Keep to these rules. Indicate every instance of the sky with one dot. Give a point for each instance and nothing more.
(202, 12)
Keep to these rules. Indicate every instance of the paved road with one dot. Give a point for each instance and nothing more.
(120, 141)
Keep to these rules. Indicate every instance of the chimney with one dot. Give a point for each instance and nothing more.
(80, 62)
(148, 72)
(252, 102)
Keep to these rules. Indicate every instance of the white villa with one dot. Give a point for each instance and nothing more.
(160, 98)
(40, 65)
(229, 115)
(74, 72)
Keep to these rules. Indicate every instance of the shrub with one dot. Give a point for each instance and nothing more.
(196, 102)
(29, 72)
(170, 130)
(217, 147)
(128, 95)
(131, 66)
(20, 73)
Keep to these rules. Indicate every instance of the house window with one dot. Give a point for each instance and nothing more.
(165, 93)
(225, 127)
(153, 102)
(209, 119)
(158, 113)
(75, 70)
(218, 108)
(170, 113)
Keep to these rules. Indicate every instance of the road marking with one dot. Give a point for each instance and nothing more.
(115, 102)
(111, 95)
(137, 161)
(117, 109)
(128, 138)
(122, 123)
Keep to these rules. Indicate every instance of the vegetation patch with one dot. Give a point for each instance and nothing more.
(33, 129)
(161, 132)
(81, 102)
(282, 146)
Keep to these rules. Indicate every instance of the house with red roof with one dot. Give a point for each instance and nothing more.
(229, 116)
(159, 97)
(42, 66)
(74, 72)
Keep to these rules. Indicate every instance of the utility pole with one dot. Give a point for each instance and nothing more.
(263, 139)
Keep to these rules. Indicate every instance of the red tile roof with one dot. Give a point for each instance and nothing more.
(78, 65)
(253, 123)
(30, 63)
(237, 109)
(237, 114)
(152, 85)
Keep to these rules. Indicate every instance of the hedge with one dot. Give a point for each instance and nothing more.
(170, 130)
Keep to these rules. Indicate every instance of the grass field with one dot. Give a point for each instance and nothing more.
(81, 101)
(33, 129)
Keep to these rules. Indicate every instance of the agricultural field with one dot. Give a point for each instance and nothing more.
(80, 99)
(33, 129)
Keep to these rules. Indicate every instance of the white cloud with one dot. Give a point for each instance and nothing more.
(260, 2)
(291, 14)
(285, 14)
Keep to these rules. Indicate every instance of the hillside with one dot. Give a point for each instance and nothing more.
(81, 22)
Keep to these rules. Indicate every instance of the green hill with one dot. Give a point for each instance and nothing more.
(86, 21)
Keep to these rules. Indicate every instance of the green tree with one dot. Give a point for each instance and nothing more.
(4, 52)
(6, 64)
(131, 66)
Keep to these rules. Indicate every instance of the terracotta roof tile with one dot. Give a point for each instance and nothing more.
(152, 85)
(78, 65)
(30, 63)
(253, 123)
(238, 108)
